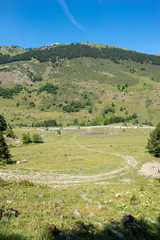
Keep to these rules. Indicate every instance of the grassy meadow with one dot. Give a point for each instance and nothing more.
(79, 178)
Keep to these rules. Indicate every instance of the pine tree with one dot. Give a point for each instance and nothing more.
(5, 156)
(153, 145)
(3, 124)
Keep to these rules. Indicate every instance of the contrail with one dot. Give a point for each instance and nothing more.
(69, 14)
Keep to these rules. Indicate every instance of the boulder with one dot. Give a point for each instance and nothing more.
(24, 161)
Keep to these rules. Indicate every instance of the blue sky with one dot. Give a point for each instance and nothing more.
(131, 24)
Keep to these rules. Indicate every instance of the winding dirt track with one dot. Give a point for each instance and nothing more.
(55, 179)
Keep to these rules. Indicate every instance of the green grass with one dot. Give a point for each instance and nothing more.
(39, 204)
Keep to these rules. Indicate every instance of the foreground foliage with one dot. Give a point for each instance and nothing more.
(3, 124)
(153, 145)
(5, 156)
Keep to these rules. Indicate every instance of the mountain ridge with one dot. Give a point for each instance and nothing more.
(77, 50)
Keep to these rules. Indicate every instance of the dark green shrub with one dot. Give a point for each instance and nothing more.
(75, 122)
(36, 78)
(153, 145)
(9, 92)
(3, 124)
(90, 110)
(49, 88)
(32, 104)
(109, 109)
(26, 138)
(36, 138)
(5, 156)
(9, 133)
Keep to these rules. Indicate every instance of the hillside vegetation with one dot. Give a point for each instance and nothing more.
(78, 84)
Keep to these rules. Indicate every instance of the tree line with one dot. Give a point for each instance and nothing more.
(78, 50)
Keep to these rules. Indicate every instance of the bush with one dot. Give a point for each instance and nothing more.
(32, 104)
(109, 109)
(46, 123)
(74, 106)
(153, 145)
(90, 110)
(5, 156)
(26, 138)
(49, 88)
(36, 78)
(36, 138)
(9, 133)
(10, 92)
(75, 122)
(114, 120)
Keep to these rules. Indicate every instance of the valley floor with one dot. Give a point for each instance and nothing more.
(78, 183)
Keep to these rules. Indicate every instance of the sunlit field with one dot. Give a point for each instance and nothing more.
(78, 175)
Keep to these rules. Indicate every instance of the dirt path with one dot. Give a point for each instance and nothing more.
(91, 127)
(55, 179)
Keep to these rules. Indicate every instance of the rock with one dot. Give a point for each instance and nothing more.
(60, 202)
(76, 213)
(128, 218)
(109, 201)
(99, 206)
(137, 225)
(40, 195)
(118, 195)
(99, 224)
(79, 228)
(54, 230)
(24, 161)
(116, 224)
(117, 233)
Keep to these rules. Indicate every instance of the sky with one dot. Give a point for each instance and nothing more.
(131, 24)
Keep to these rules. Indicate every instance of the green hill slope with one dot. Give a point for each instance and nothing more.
(84, 84)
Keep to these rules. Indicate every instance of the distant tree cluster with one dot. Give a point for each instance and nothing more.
(10, 92)
(46, 123)
(49, 88)
(109, 109)
(116, 119)
(77, 50)
(36, 138)
(74, 106)
(122, 88)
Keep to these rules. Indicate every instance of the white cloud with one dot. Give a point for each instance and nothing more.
(69, 14)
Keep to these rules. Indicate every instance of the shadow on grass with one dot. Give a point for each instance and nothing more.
(128, 228)
(11, 237)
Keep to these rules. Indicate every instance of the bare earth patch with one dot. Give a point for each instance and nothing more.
(150, 169)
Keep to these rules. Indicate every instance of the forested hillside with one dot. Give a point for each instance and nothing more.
(77, 50)
(78, 84)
